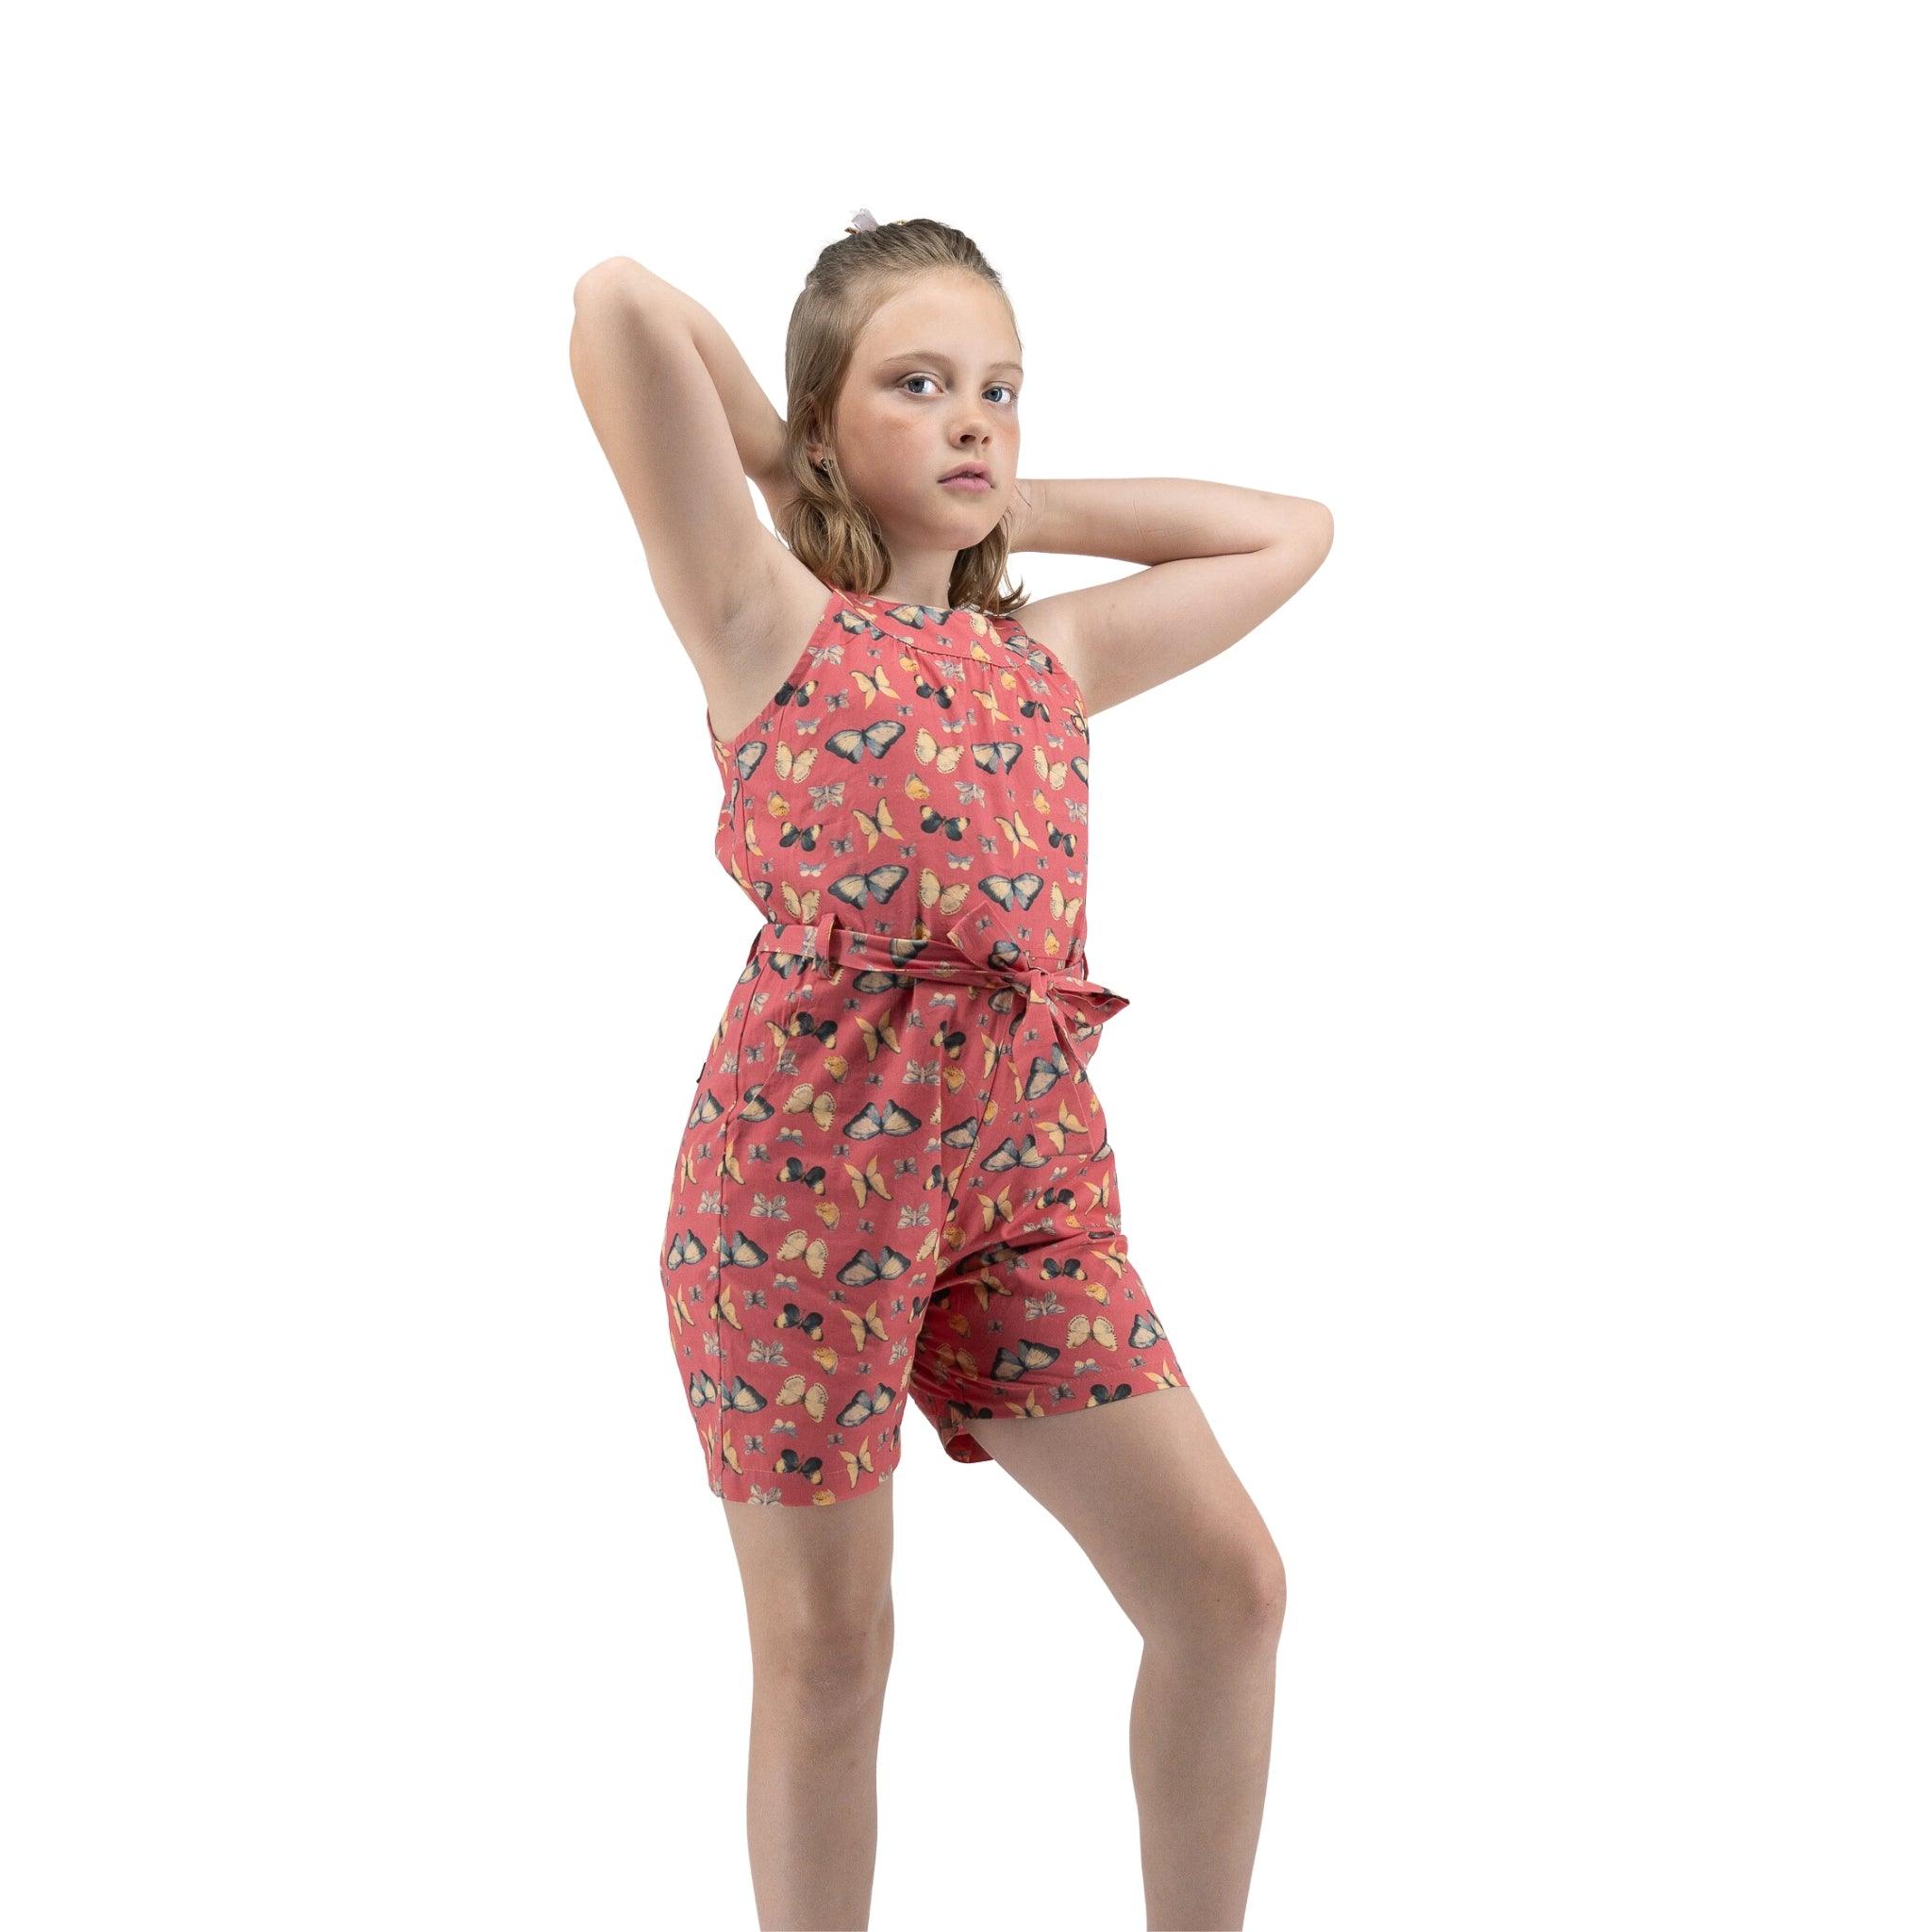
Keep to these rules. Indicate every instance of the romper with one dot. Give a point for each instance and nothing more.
(895, 1184)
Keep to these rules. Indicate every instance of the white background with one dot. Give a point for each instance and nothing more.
(1539, 901)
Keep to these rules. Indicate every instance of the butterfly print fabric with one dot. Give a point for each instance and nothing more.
(895, 1184)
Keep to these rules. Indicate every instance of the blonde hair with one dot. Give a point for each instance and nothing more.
(829, 530)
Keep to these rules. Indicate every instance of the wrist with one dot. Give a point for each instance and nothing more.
(1026, 521)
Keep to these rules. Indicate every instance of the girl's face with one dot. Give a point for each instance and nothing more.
(934, 382)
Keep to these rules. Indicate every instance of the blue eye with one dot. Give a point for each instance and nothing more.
(904, 380)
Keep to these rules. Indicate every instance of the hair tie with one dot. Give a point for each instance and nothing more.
(862, 222)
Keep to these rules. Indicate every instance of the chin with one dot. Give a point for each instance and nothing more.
(981, 518)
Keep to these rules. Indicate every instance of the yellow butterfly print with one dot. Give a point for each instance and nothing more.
(927, 750)
(860, 1460)
(1017, 834)
(866, 1324)
(873, 685)
(877, 828)
(1065, 909)
(730, 1453)
(815, 1398)
(801, 1243)
(876, 1033)
(721, 1305)
(795, 764)
(1055, 774)
(1031, 1407)
(947, 898)
(1057, 1130)
(1080, 1326)
(820, 1106)
(803, 908)
(867, 1181)
(994, 1207)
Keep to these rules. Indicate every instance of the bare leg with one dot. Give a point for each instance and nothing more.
(818, 1597)
(1193, 1566)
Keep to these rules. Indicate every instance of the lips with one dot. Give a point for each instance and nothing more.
(964, 471)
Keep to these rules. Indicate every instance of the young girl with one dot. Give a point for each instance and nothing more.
(894, 1188)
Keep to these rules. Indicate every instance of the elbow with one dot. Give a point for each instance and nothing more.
(615, 269)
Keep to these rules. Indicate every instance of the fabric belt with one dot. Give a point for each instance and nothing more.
(1076, 1005)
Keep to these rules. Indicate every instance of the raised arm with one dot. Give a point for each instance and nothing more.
(683, 423)
(1222, 560)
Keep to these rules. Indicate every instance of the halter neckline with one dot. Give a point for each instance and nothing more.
(946, 611)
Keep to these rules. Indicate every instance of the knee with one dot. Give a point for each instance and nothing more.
(831, 1649)
(1237, 1599)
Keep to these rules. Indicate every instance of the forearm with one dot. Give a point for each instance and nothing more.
(1147, 519)
(758, 430)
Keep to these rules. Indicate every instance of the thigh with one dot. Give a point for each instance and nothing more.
(1143, 1487)
(815, 1576)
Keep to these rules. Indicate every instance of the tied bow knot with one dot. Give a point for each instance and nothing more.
(1073, 1005)
(1039, 981)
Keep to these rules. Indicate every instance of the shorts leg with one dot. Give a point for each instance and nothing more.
(1041, 1309)
(790, 1254)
